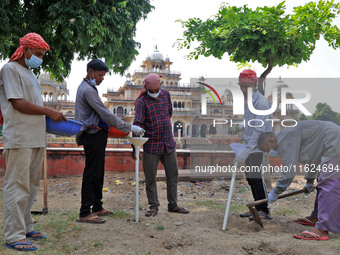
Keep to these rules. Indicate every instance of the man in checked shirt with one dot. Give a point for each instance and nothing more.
(153, 113)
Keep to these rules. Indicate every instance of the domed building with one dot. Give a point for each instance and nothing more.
(55, 95)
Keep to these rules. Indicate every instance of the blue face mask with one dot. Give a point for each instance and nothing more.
(155, 95)
(93, 80)
(34, 61)
(274, 153)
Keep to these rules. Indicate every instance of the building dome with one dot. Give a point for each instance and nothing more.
(167, 59)
(157, 56)
(148, 58)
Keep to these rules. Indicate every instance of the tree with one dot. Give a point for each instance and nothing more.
(324, 112)
(267, 34)
(89, 28)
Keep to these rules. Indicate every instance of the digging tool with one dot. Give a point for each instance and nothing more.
(45, 209)
(253, 211)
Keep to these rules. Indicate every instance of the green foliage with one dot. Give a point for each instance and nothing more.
(322, 112)
(88, 28)
(159, 226)
(267, 34)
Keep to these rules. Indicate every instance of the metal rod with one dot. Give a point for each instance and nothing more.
(137, 182)
(229, 198)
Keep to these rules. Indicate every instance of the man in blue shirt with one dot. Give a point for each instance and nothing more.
(252, 156)
(96, 118)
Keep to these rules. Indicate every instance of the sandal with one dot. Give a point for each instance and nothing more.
(152, 212)
(308, 235)
(35, 235)
(304, 221)
(14, 246)
(92, 218)
(103, 212)
(178, 209)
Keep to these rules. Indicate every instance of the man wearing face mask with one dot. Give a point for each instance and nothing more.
(252, 156)
(316, 144)
(96, 118)
(24, 130)
(153, 113)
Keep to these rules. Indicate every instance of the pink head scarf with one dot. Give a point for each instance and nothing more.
(247, 76)
(151, 81)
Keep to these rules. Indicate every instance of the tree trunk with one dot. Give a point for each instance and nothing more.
(263, 76)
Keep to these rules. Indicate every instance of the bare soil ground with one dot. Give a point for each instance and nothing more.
(168, 233)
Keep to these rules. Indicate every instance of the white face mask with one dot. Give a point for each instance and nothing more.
(155, 95)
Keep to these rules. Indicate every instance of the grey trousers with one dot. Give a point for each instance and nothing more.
(21, 185)
(150, 163)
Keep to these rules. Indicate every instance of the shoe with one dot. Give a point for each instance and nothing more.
(178, 209)
(245, 215)
(152, 212)
(263, 216)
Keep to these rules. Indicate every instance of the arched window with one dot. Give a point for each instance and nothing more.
(195, 130)
(179, 105)
(120, 111)
(175, 104)
(203, 130)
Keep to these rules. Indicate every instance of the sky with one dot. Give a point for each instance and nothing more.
(161, 29)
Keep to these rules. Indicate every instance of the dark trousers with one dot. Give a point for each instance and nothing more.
(254, 178)
(150, 164)
(93, 176)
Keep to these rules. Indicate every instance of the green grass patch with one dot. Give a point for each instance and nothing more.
(98, 243)
(238, 208)
(211, 204)
(159, 226)
(286, 211)
(120, 215)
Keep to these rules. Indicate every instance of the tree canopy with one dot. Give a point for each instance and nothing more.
(89, 28)
(323, 112)
(267, 35)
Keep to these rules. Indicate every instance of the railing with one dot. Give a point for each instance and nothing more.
(180, 93)
(183, 109)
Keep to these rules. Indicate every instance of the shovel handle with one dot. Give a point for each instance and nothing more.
(262, 201)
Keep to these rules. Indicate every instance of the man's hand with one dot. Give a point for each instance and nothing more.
(137, 130)
(309, 186)
(273, 196)
(241, 157)
(56, 116)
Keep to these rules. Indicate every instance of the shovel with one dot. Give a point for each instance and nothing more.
(45, 209)
(253, 211)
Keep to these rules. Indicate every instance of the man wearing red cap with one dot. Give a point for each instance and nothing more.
(24, 131)
(153, 113)
(252, 156)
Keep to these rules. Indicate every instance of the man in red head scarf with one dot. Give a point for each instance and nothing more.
(252, 156)
(24, 131)
(153, 113)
